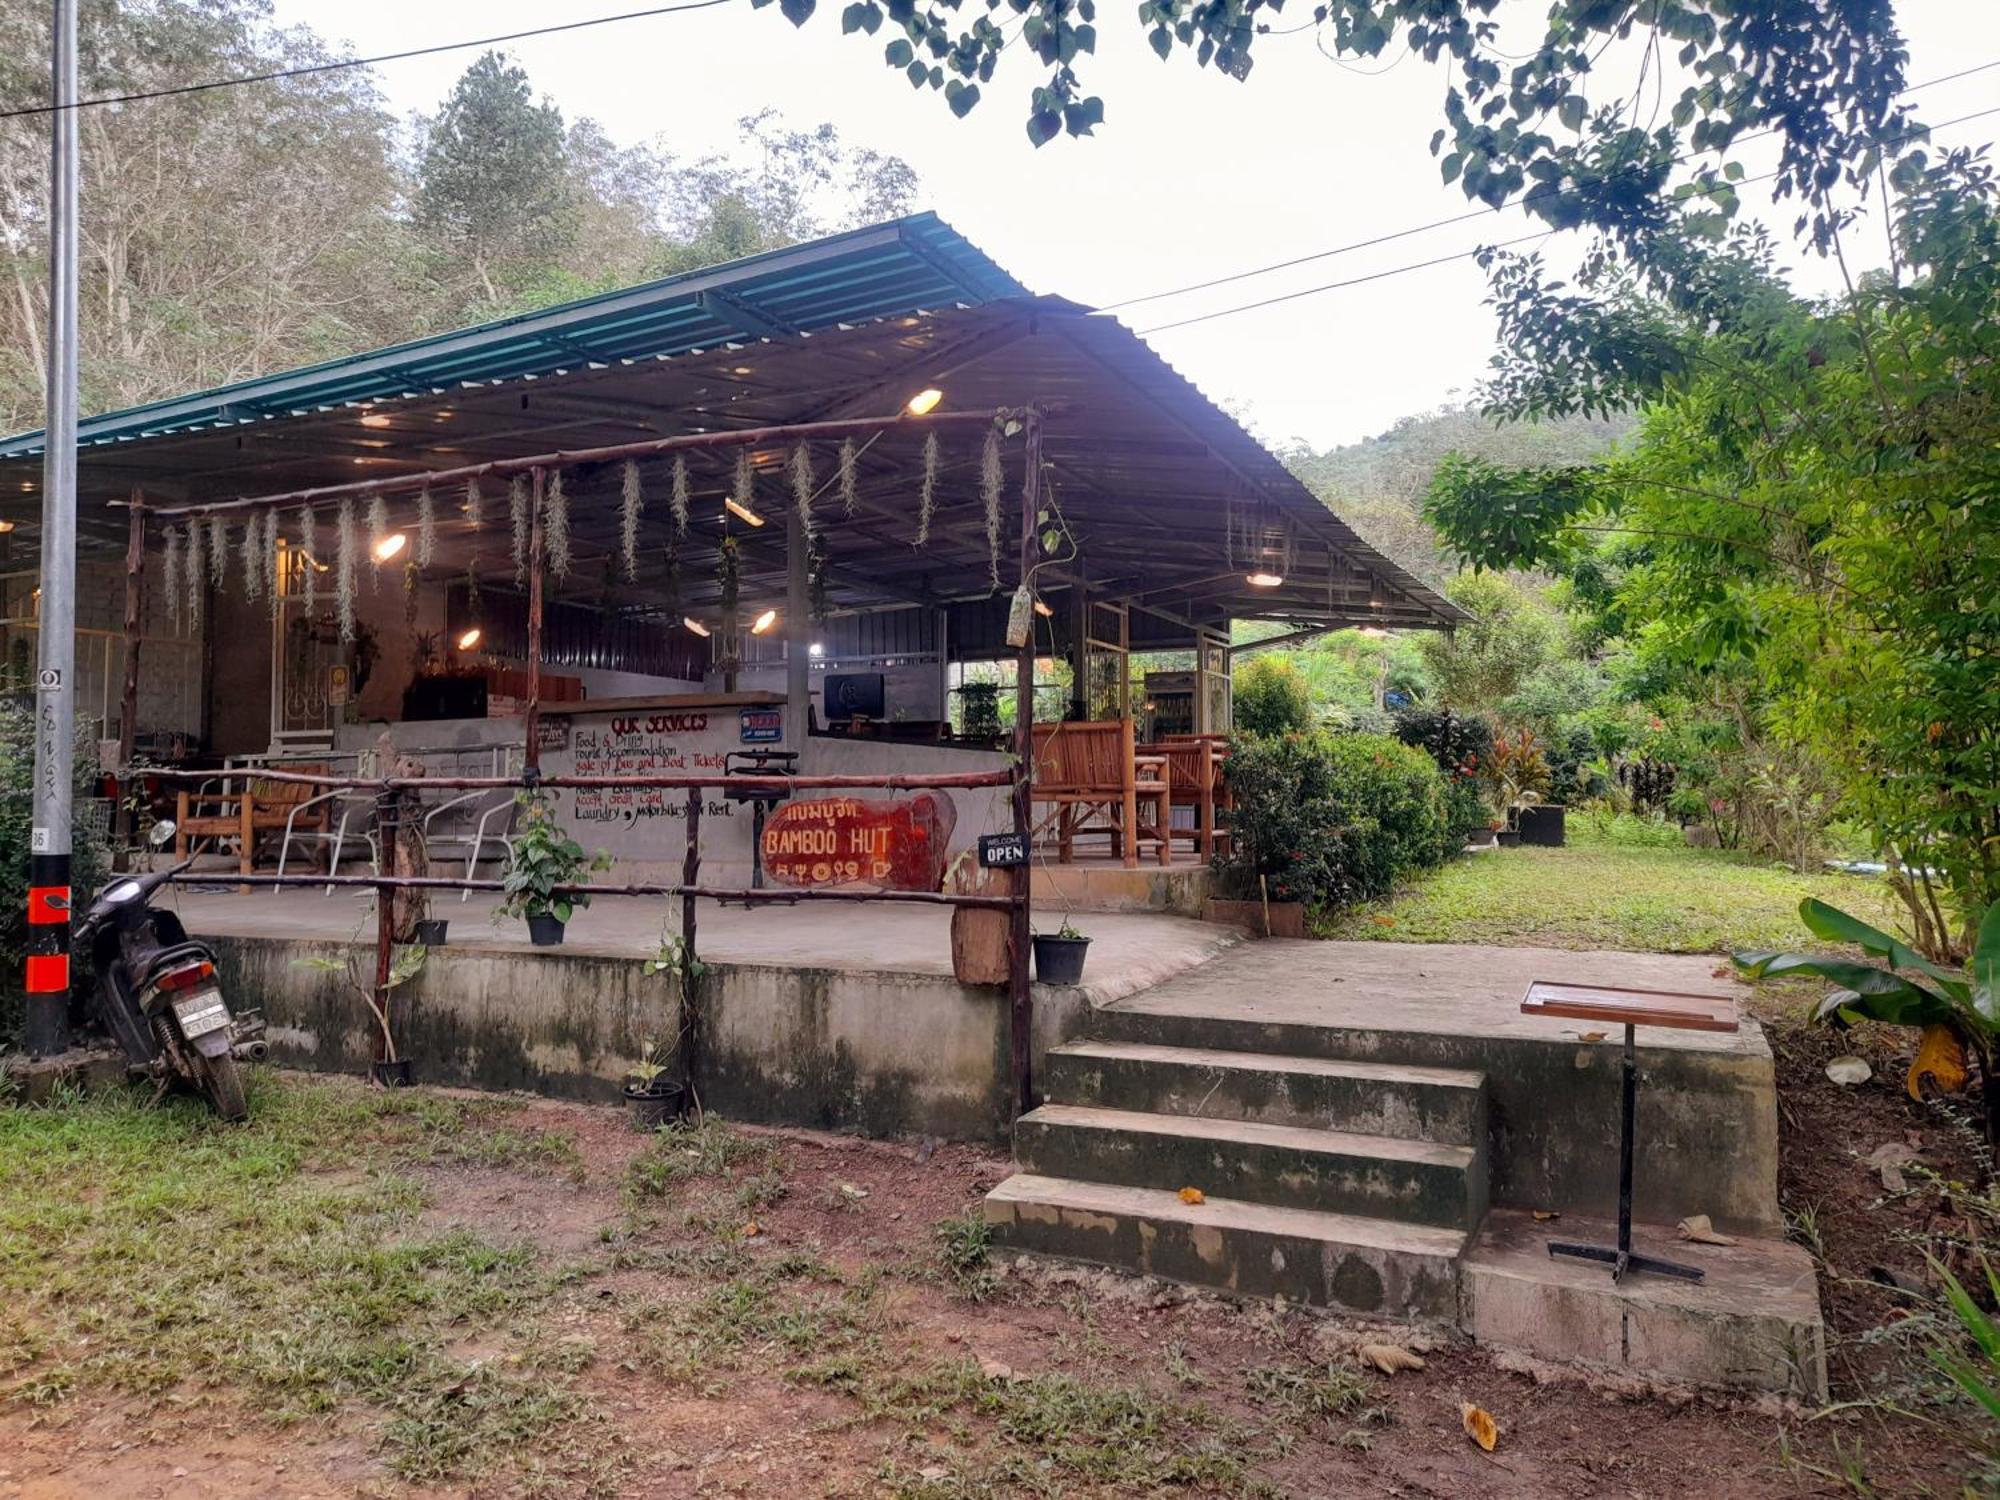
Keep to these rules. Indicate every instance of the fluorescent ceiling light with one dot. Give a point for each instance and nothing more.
(924, 401)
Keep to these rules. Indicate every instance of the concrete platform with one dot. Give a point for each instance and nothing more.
(1103, 885)
(1707, 1101)
(832, 1016)
(1753, 1323)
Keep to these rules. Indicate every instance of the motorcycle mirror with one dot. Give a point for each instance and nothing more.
(162, 833)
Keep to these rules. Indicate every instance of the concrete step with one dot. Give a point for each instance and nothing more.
(1362, 1265)
(1285, 1166)
(1446, 1105)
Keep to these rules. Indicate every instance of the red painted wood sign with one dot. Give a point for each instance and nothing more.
(897, 845)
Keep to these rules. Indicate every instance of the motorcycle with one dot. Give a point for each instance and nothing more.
(158, 995)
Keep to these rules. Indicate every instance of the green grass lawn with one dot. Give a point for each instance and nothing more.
(1620, 884)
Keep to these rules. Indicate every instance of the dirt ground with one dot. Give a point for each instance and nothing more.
(678, 1402)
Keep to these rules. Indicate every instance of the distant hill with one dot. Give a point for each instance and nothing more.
(1377, 485)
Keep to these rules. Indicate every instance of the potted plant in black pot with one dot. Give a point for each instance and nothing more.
(546, 861)
(1059, 955)
(652, 1094)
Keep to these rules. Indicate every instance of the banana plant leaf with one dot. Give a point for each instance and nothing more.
(1836, 926)
(1866, 993)
(1986, 968)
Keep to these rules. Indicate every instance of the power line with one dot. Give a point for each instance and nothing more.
(1330, 286)
(360, 62)
(1544, 191)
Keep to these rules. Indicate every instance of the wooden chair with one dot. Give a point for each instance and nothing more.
(244, 809)
(1095, 780)
(1194, 768)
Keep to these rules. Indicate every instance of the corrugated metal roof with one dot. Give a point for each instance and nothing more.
(903, 266)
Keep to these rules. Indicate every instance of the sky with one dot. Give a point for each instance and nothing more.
(1192, 176)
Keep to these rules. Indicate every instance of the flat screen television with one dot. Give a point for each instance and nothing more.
(855, 695)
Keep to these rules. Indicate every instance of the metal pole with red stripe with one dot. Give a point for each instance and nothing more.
(47, 1029)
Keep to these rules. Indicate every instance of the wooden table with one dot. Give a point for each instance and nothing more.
(1628, 1008)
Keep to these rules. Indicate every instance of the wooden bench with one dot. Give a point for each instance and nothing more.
(244, 810)
(1195, 779)
(1092, 775)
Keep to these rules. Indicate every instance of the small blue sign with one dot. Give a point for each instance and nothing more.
(762, 726)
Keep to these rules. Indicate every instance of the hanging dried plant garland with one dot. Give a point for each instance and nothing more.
(193, 571)
(411, 573)
(802, 486)
(670, 586)
(426, 529)
(927, 497)
(632, 501)
(679, 502)
(378, 528)
(343, 568)
(173, 555)
(218, 551)
(273, 579)
(745, 488)
(475, 504)
(253, 565)
(726, 578)
(850, 492)
(517, 517)
(555, 526)
(992, 479)
(472, 591)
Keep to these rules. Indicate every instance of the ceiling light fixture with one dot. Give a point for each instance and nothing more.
(375, 419)
(1044, 611)
(390, 545)
(816, 650)
(764, 622)
(5, 527)
(742, 512)
(924, 401)
(1265, 580)
(695, 625)
(469, 638)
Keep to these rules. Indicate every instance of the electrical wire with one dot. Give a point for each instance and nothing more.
(1482, 212)
(1421, 265)
(359, 62)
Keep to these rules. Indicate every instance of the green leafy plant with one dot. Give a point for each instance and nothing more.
(654, 1061)
(1272, 696)
(1977, 1380)
(1959, 1013)
(406, 962)
(547, 865)
(1518, 771)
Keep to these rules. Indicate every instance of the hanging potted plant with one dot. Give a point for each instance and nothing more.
(546, 859)
(1059, 955)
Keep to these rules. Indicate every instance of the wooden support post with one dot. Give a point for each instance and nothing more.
(531, 755)
(1079, 646)
(798, 633)
(690, 1017)
(1020, 1009)
(386, 810)
(128, 701)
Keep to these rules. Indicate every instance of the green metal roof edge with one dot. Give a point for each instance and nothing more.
(809, 277)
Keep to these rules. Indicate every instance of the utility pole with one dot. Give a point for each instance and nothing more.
(55, 686)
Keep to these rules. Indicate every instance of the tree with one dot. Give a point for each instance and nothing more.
(1811, 501)
(1824, 77)
(1271, 697)
(494, 182)
(224, 232)
(1488, 659)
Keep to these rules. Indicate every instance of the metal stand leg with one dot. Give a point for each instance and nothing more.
(1622, 1259)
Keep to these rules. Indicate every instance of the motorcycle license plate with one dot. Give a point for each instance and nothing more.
(200, 1013)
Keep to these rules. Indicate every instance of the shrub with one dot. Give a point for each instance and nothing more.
(1272, 697)
(1332, 818)
(1459, 743)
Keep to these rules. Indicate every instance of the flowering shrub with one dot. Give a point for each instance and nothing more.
(1325, 818)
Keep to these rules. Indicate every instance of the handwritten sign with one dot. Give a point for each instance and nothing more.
(642, 745)
(896, 845)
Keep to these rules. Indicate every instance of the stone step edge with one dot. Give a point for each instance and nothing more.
(1272, 1062)
(1390, 1235)
(1307, 1138)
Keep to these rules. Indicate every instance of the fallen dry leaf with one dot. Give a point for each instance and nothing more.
(1543, 1215)
(1697, 1228)
(1480, 1426)
(1940, 1058)
(1193, 1195)
(1594, 1036)
(1383, 921)
(1849, 1070)
(752, 1229)
(1389, 1358)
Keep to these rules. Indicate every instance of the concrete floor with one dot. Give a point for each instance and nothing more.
(1440, 988)
(1129, 951)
